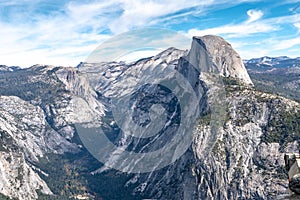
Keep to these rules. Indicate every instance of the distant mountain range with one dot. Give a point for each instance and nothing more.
(4, 68)
(267, 63)
(280, 75)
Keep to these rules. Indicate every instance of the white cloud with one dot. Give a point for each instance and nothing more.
(254, 15)
(276, 45)
(286, 44)
(145, 12)
(297, 25)
(249, 27)
(233, 31)
(52, 42)
(148, 39)
(57, 37)
(66, 35)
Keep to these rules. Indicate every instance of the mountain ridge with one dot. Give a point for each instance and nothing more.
(236, 152)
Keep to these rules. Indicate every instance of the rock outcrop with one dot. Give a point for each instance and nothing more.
(215, 55)
(237, 144)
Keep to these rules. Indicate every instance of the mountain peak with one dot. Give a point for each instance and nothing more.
(215, 55)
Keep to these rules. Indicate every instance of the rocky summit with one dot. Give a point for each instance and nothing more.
(238, 138)
(221, 58)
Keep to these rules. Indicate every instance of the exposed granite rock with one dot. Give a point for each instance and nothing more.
(238, 141)
(215, 55)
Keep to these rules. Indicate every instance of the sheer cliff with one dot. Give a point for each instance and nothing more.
(237, 140)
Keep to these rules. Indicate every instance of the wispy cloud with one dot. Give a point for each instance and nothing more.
(286, 44)
(233, 31)
(254, 15)
(64, 32)
(148, 39)
(141, 13)
(297, 25)
(59, 38)
(255, 25)
(248, 27)
(65, 36)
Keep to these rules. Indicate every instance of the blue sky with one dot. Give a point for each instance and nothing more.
(62, 32)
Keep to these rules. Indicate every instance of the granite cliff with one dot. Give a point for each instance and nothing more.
(237, 142)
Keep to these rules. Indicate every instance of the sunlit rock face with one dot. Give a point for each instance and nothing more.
(238, 140)
(215, 55)
(242, 155)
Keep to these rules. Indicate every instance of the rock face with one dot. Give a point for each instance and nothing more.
(237, 146)
(245, 159)
(215, 55)
(22, 136)
(29, 130)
